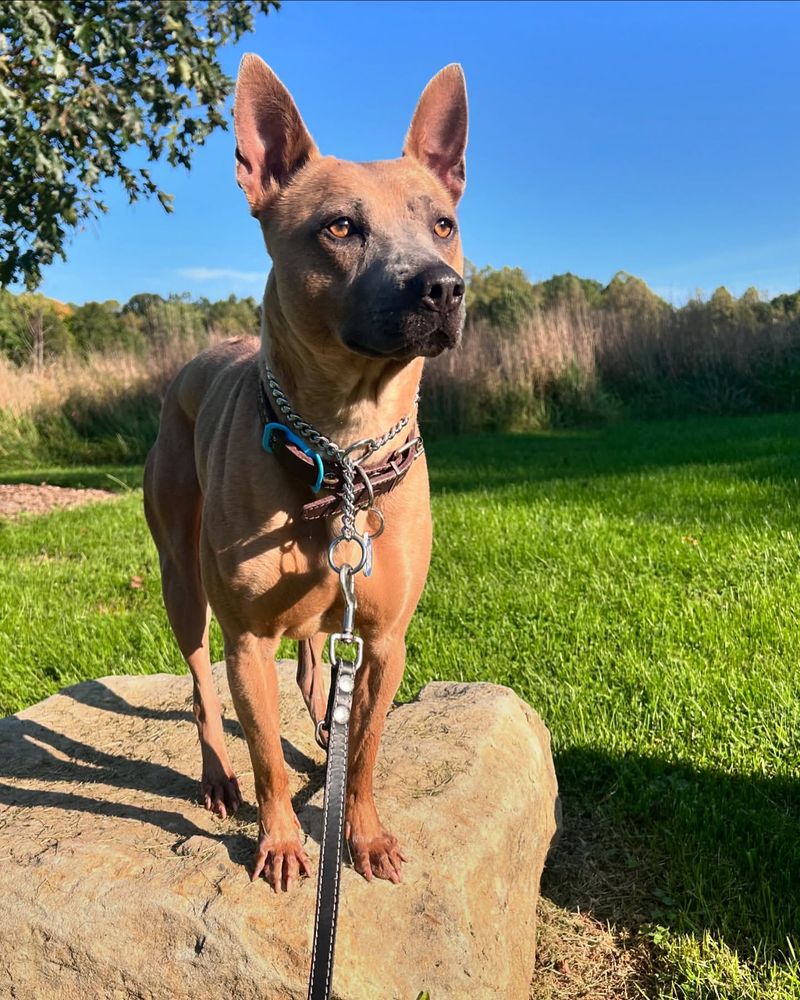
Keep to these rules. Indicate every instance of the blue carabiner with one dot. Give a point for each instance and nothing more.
(266, 444)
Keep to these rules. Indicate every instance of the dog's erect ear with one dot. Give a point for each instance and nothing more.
(438, 133)
(271, 140)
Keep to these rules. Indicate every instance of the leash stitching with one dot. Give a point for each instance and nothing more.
(328, 778)
(337, 869)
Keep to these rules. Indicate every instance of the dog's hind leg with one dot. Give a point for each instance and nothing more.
(309, 676)
(173, 505)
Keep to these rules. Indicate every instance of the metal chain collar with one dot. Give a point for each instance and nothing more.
(342, 456)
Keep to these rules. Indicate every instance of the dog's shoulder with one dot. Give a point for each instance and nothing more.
(235, 351)
(223, 361)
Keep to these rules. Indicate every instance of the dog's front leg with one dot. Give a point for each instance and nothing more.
(253, 681)
(374, 850)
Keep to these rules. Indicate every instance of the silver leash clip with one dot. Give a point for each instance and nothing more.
(346, 666)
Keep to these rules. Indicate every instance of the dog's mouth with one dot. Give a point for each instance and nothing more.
(430, 348)
(403, 314)
(407, 345)
(437, 343)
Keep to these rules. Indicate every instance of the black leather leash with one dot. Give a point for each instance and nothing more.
(337, 723)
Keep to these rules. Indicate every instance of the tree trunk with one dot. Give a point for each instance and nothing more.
(36, 328)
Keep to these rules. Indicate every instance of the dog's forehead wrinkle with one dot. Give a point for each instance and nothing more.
(420, 203)
(389, 189)
(341, 205)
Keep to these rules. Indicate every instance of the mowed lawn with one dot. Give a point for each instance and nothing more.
(638, 585)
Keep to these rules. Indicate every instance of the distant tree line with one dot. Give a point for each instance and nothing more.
(570, 350)
(504, 297)
(34, 329)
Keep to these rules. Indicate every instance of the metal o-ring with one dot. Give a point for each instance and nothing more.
(381, 523)
(337, 541)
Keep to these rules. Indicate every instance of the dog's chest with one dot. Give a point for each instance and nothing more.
(276, 575)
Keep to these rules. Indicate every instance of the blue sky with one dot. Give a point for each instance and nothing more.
(657, 138)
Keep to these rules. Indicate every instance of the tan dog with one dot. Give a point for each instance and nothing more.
(365, 282)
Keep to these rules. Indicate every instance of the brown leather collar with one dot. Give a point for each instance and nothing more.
(381, 478)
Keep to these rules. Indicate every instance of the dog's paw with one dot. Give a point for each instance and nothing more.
(221, 793)
(376, 854)
(281, 860)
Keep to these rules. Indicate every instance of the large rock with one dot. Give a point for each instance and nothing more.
(115, 883)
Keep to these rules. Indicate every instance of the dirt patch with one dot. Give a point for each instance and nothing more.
(25, 498)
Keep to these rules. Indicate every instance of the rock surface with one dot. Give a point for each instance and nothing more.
(115, 883)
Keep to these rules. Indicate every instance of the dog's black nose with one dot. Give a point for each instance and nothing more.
(440, 288)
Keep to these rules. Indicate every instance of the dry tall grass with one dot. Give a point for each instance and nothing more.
(565, 365)
(26, 391)
(573, 364)
(98, 408)
(507, 379)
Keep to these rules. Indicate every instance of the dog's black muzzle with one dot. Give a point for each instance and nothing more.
(420, 317)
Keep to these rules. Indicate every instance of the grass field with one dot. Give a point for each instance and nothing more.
(638, 585)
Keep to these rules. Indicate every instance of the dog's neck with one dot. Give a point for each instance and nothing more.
(344, 395)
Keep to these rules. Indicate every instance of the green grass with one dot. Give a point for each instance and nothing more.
(116, 478)
(117, 428)
(638, 585)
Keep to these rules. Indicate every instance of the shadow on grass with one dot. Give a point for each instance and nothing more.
(650, 842)
(766, 447)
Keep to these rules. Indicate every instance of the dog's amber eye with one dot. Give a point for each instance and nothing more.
(443, 228)
(341, 228)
